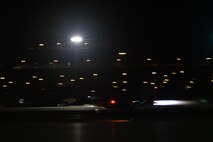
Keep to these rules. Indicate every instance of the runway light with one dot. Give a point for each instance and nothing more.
(40, 79)
(58, 43)
(81, 78)
(76, 39)
(118, 60)
(208, 58)
(182, 72)
(95, 74)
(115, 86)
(178, 59)
(125, 82)
(145, 82)
(34, 77)
(23, 61)
(10, 82)
(27, 83)
(2, 78)
(122, 53)
(114, 82)
(41, 45)
(154, 72)
(124, 74)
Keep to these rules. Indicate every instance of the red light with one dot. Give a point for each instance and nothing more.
(112, 102)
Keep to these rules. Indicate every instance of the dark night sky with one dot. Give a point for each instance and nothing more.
(168, 28)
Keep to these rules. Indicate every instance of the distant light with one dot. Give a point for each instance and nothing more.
(114, 82)
(10, 82)
(60, 84)
(118, 60)
(86, 43)
(124, 74)
(152, 83)
(178, 59)
(23, 61)
(174, 73)
(81, 78)
(5, 86)
(165, 75)
(155, 87)
(148, 59)
(125, 82)
(88, 60)
(27, 83)
(41, 45)
(55, 61)
(191, 82)
(21, 101)
(58, 43)
(124, 90)
(208, 58)
(122, 53)
(166, 80)
(95, 74)
(115, 86)
(188, 87)
(2, 78)
(182, 72)
(76, 39)
(40, 79)
(72, 80)
(145, 82)
(112, 102)
(92, 91)
(62, 76)
(154, 72)
(212, 80)
(34, 77)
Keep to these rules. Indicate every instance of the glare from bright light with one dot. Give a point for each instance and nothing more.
(76, 39)
(172, 102)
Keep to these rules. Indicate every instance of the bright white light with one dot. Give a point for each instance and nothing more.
(118, 60)
(154, 72)
(114, 82)
(208, 58)
(93, 91)
(10, 82)
(148, 59)
(125, 82)
(178, 59)
(145, 82)
(174, 73)
(124, 74)
(165, 75)
(76, 39)
(60, 84)
(95, 74)
(72, 80)
(27, 83)
(34, 77)
(58, 43)
(115, 86)
(122, 53)
(40, 79)
(81, 78)
(62, 76)
(191, 82)
(172, 102)
(88, 60)
(152, 83)
(23, 61)
(5, 86)
(182, 72)
(2, 78)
